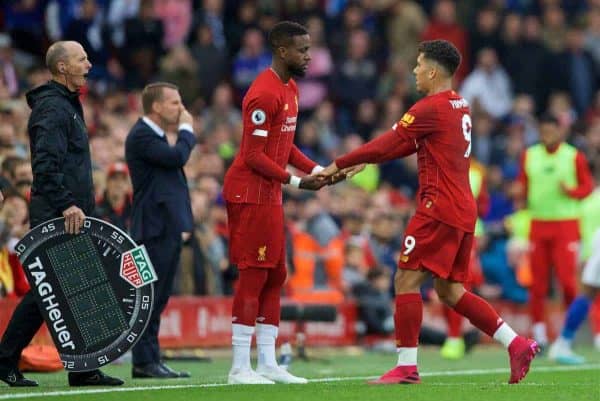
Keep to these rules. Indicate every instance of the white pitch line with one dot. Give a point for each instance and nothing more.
(321, 380)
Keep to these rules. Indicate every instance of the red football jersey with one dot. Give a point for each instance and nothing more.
(270, 112)
(438, 129)
(440, 125)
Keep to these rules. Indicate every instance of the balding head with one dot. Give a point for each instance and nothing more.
(60, 52)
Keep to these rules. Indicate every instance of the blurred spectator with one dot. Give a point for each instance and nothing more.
(15, 214)
(531, 77)
(443, 25)
(244, 18)
(488, 85)
(119, 11)
(313, 87)
(355, 78)
(355, 265)
(352, 19)
(209, 73)
(482, 137)
(221, 110)
(204, 257)
(143, 46)
(252, 58)
(115, 204)
(554, 30)
(176, 17)
(211, 15)
(90, 30)
(405, 24)
(13, 282)
(180, 68)
(8, 70)
(485, 34)
(17, 175)
(375, 302)
(592, 33)
(397, 81)
(561, 107)
(24, 21)
(575, 71)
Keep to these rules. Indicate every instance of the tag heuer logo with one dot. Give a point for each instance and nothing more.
(136, 267)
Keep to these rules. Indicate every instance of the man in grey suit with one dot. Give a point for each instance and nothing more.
(161, 211)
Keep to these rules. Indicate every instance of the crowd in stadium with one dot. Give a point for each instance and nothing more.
(521, 59)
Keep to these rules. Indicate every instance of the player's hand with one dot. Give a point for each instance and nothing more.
(352, 171)
(328, 171)
(74, 218)
(312, 182)
(185, 117)
(185, 236)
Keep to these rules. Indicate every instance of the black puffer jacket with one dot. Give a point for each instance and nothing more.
(60, 153)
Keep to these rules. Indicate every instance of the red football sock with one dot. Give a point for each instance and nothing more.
(269, 308)
(453, 321)
(247, 292)
(408, 319)
(479, 312)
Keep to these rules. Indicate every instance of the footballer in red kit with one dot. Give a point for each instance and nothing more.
(253, 194)
(439, 238)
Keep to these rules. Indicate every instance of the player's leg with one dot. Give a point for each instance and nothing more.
(578, 311)
(565, 253)
(540, 271)
(407, 322)
(267, 327)
(481, 314)
(244, 313)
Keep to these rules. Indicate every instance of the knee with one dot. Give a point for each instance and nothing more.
(406, 281)
(448, 293)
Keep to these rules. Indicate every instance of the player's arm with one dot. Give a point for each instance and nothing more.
(585, 181)
(261, 109)
(302, 162)
(400, 141)
(388, 146)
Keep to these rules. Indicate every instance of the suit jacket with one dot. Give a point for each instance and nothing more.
(161, 199)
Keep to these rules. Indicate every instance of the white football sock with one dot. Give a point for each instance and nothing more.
(407, 356)
(266, 335)
(241, 341)
(505, 334)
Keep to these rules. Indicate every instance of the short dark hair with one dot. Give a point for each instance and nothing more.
(548, 118)
(154, 93)
(442, 52)
(283, 32)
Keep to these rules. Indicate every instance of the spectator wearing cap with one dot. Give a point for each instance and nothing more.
(115, 204)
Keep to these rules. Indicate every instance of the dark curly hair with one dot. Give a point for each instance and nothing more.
(442, 52)
(281, 34)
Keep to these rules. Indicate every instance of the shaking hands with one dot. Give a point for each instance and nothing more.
(329, 176)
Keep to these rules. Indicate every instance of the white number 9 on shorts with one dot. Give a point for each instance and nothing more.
(409, 244)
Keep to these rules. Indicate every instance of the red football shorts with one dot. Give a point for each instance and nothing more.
(437, 247)
(256, 235)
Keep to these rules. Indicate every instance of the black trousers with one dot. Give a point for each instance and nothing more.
(164, 253)
(24, 323)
